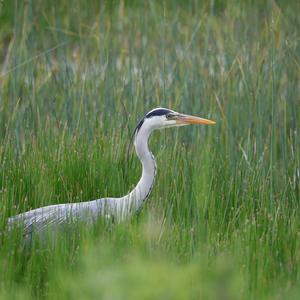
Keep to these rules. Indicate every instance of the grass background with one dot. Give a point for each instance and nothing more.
(222, 221)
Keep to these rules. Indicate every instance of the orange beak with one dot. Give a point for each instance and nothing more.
(186, 119)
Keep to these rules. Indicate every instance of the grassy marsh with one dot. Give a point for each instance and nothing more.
(223, 218)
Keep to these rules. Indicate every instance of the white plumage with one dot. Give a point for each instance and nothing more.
(113, 208)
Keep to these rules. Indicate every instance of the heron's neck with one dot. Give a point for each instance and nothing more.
(137, 196)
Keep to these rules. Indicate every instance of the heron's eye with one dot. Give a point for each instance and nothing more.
(170, 116)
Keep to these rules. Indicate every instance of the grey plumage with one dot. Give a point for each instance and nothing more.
(110, 208)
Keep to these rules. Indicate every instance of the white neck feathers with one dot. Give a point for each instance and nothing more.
(133, 201)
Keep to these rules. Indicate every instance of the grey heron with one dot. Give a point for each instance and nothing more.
(116, 208)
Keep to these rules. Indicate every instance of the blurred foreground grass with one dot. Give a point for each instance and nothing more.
(222, 221)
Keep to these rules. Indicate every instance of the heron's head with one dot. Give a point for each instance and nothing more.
(159, 118)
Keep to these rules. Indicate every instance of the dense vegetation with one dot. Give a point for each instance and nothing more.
(223, 219)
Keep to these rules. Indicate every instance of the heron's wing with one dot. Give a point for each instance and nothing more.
(54, 215)
(43, 217)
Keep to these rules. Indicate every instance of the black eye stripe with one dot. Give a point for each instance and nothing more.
(153, 113)
(158, 112)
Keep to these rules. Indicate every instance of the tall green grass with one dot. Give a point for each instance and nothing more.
(223, 218)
